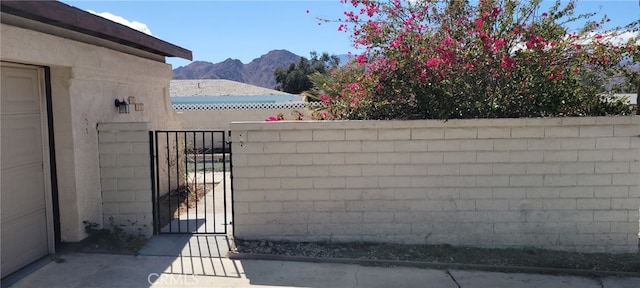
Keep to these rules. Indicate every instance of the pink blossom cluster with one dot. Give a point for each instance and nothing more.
(486, 51)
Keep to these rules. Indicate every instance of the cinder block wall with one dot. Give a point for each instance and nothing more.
(125, 175)
(561, 183)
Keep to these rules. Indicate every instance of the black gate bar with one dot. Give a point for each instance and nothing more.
(178, 162)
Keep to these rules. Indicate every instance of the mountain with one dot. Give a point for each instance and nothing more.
(258, 72)
(345, 58)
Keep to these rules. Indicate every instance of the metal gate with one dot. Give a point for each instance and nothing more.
(191, 181)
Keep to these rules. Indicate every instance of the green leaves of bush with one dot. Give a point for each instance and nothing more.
(434, 59)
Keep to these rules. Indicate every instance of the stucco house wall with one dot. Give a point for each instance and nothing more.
(85, 81)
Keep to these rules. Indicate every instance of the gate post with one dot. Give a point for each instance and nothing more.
(125, 173)
(152, 169)
(233, 216)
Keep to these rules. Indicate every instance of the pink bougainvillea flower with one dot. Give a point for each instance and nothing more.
(433, 62)
(371, 10)
(507, 62)
(469, 66)
(496, 11)
(558, 76)
(325, 98)
(413, 48)
(498, 44)
(362, 59)
(279, 117)
(479, 23)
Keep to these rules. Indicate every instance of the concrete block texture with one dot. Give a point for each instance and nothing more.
(556, 183)
(125, 173)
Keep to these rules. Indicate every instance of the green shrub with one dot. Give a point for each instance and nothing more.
(433, 59)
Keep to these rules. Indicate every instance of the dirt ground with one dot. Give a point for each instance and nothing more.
(524, 257)
(177, 201)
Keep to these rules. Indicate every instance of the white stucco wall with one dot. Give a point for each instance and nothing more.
(85, 80)
(559, 183)
(220, 119)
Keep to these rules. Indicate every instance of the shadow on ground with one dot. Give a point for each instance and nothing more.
(199, 261)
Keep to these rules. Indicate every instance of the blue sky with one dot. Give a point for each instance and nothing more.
(245, 30)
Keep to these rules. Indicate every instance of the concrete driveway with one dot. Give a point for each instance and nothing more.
(182, 261)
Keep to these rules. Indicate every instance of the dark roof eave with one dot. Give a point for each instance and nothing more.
(68, 17)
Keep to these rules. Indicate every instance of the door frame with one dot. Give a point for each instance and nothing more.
(52, 208)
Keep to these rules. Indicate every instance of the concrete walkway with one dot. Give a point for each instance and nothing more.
(208, 215)
(182, 261)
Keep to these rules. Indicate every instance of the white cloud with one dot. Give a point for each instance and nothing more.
(118, 19)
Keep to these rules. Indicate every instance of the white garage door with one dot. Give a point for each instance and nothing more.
(23, 162)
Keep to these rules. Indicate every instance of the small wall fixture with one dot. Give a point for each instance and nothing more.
(123, 106)
(136, 105)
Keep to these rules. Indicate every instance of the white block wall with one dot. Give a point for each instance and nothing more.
(125, 175)
(561, 183)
